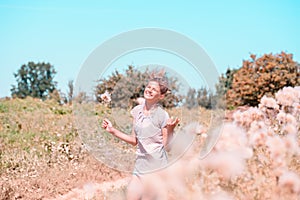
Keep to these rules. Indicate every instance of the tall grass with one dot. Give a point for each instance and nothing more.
(34, 136)
(256, 157)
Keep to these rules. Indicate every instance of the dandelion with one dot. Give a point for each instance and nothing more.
(258, 133)
(227, 164)
(90, 190)
(245, 119)
(228, 157)
(290, 180)
(286, 118)
(106, 97)
(291, 144)
(221, 195)
(277, 148)
(288, 96)
(232, 137)
(281, 117)
(269, 103)
(290, 129)
(290, 119)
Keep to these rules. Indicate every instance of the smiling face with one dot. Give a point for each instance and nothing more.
(152, 92)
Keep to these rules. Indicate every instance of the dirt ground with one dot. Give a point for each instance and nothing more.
(88, 179)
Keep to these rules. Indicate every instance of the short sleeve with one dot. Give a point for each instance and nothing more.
(135, 111)
(160, 118)
(165, 119)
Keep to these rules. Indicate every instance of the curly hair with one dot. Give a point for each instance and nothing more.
(160, 78)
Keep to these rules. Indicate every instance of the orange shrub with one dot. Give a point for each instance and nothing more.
(262, 76)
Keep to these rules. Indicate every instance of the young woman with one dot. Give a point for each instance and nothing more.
(152, 132)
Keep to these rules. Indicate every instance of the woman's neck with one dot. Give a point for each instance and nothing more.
(149, 105)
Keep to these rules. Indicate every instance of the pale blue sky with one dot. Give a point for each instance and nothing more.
(64, 33)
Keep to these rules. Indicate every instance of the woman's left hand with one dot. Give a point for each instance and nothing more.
(172, 123)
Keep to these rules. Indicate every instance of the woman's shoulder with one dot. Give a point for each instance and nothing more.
(160, 108)
(160, 117)
(160, 111)
(136, 109)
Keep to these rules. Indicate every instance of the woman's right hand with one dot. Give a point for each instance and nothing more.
(107, 125)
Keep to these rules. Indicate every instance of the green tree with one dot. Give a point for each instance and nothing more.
(204, 98)
(35, 80)
(225, 81)
(190, 99)
(200, 97)
(70, 91)
(224, 84)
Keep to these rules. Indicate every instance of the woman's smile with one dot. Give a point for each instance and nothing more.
(152, 91)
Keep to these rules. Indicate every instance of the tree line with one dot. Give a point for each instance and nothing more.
(258, 76)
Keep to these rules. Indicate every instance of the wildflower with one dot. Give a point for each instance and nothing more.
(268, 103)
(258, 133)
(288, 96)
(245, 118)
(286, 118)
(290, 129)
(291, 143)
(227, 164)
(276, 148)
(290, 180)
(106, 97)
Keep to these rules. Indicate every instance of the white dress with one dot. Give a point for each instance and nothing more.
(150, 153)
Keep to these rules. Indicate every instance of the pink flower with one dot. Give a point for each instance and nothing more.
(288, 96)
(245, 118)
(286, 118)
(258, 133)
(290, 180)
(277, 148)
(290, 129)
(227, 164)
(230, 153)
(106, 97)
(220, 195)
(231, 137)
(268, 102)
(291, 143)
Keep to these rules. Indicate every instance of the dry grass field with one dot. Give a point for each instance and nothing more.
(256, 157)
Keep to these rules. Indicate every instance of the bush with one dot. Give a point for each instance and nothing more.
(126, 88)
(262, 76)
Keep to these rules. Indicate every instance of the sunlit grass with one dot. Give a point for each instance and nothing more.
(40, 150)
